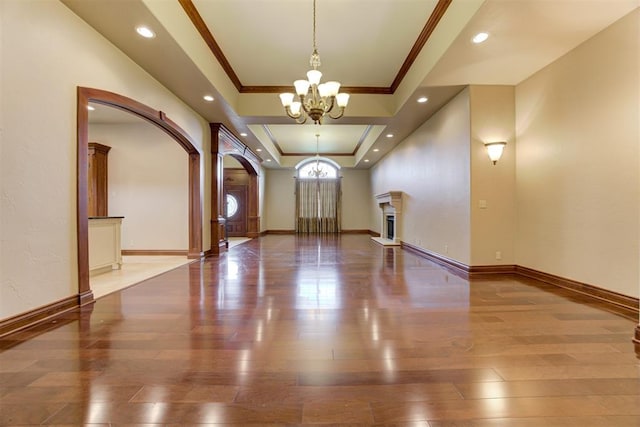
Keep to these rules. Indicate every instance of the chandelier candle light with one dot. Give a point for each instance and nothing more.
(315, 99)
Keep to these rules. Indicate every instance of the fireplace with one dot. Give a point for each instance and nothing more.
(390, 223)
(390, 232)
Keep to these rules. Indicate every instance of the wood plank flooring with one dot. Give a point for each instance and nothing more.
(287, 330)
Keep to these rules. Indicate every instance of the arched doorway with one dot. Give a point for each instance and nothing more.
(235, 191)
(224, 143)
(158, 118)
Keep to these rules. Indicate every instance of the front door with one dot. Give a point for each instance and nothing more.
(236, 210)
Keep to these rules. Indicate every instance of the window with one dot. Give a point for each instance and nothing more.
(232, 206)
(317, 169)
(318, 196)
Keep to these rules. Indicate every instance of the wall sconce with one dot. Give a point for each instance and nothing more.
(494, 149)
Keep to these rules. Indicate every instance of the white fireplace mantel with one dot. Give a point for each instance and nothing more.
(393, 198)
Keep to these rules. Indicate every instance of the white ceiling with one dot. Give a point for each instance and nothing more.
(269, 42)
(362, 44)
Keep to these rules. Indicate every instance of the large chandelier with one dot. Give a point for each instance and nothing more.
(315, 99)
(317, 171)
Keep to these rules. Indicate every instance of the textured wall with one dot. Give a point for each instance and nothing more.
(148, 185)
(577, 162)
(356, 196)
(493, 193)
(47, 52)
(432, 168)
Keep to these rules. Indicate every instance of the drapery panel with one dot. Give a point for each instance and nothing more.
(318, 205)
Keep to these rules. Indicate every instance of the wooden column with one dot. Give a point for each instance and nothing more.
(218, 235)
(253, 219)
(98, 179)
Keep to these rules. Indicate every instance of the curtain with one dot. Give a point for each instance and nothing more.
(318, 205)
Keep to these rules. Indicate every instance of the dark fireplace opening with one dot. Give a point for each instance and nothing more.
(390, 226)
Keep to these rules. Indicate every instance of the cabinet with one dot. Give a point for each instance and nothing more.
(105, 251)
(98, 180)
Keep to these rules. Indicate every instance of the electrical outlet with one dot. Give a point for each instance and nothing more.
(498, 255)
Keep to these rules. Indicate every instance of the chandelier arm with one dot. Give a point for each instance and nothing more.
(340, 114)
(329, 106)
(304, 105)
(290, 114)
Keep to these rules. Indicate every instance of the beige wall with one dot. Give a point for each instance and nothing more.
(280, 199)
(492, 186)
(564, 199)
(148, 185)
(432, 168)
(47, 52)
(577, 163)
(356, 197)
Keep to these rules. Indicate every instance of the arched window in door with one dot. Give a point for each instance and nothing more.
(232, 205)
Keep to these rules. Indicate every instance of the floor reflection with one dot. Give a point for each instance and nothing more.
(287, 330)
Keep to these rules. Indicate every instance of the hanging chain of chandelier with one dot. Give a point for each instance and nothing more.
(315, 99)
(317, 171)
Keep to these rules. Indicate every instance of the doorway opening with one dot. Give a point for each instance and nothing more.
(157, 118)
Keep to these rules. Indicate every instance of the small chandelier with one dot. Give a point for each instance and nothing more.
(317, 171)
(315, 99)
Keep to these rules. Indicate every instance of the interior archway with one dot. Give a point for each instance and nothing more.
(224, 143)
(158, 118)
(253, 218)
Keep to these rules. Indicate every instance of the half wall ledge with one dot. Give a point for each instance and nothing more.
(386, 242)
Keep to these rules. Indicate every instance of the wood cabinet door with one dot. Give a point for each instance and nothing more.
(236, 210)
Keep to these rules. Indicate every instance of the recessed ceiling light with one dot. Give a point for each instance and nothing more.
(389, 135)
(366, 160)
(243, 134)
(480, 37)
(375, 150)
(90, 108)
(208, 98)
(423, 99)
(145, 32)
(268, 160)
(258, 149)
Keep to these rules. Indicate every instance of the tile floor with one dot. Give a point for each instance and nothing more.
(136, 269)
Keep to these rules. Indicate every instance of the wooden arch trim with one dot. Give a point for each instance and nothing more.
(157, 118)
(223, 142)
(253, 217)
(246, 164)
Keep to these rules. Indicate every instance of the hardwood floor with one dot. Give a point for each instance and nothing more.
(287, 330)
